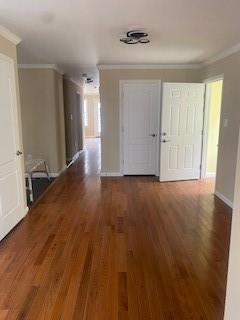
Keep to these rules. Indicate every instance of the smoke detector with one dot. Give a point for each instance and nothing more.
(135, 36)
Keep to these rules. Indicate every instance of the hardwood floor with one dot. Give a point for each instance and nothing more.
(117, 248)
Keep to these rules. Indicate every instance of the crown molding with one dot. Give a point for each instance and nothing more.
(217, 57)
(41, 66)
(148, 66)
(223, 54)
(4, 32)
(79, 84)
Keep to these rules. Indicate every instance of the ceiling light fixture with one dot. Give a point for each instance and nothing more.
(86, 79)
(135, 36)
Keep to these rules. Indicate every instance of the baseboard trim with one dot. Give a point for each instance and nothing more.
(26, 210)
(75, 157)
(210, 175)
(111, 174)
(224, 199)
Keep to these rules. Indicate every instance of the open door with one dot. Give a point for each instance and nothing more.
(181, 131)
(11, 176)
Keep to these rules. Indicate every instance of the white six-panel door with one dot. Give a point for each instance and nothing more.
(11, 182)
(140, 116)
(181, 131)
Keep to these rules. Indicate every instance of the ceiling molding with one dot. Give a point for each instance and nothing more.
(222, 55)
(4, 32)
(149, 66)
(41, 66)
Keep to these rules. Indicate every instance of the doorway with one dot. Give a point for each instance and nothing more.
(91, 116)
(181, 131)
(212, 115)
(139, 126)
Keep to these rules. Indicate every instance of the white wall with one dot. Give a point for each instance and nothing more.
(232, 306)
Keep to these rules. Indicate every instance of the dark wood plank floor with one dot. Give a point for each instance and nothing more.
(117, 248)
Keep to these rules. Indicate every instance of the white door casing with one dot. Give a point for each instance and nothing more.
(140, 111)
(11, 173)
(181, 131)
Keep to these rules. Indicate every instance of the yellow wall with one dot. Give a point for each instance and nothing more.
(213, 125)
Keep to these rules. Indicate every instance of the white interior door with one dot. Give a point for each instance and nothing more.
(11, 181)
(181, 131)
(140, 104)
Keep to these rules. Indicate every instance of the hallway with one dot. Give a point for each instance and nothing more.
(117, 248)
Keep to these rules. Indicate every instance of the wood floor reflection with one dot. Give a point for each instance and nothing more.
(117, 248)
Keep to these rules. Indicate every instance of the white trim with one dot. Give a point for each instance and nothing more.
(148, 66)
(74, 158)
(7, 34)
(208, 81)
(210, 175)
(26, 210)
(111, 174)
(205, 132)
(223, 54)
(79, 84)
(223, 198)
(41, 66)
(214, 78)
(121, 83)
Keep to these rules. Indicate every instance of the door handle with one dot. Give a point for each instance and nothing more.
(164, 140)
(153, 135)
(18, 153)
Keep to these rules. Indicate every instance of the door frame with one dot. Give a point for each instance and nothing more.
(121, 121)
(203, 172)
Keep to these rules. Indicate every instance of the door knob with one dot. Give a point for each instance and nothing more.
(18, 153)
(164, 140)
(153, 135)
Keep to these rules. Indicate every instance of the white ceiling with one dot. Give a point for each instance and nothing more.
(79, 34)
